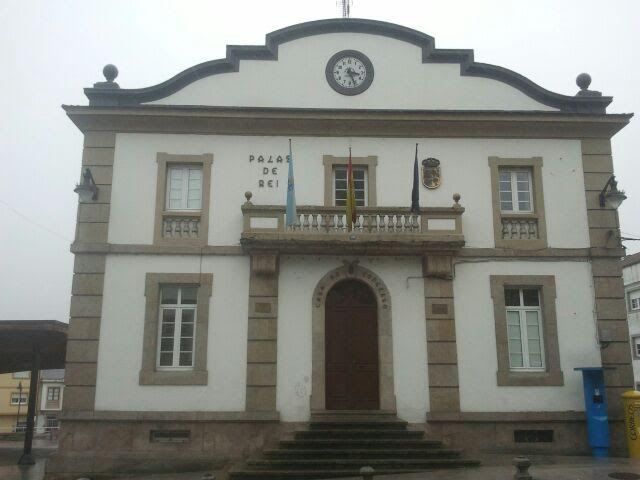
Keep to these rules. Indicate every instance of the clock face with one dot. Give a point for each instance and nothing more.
(349, 72)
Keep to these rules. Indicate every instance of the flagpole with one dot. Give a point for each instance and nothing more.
(292, 214)
(415, 191)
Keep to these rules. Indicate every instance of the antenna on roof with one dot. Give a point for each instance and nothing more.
(345, 6)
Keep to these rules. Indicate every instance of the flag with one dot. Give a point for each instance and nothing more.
(351, 195)
(415, 192)
(292, 215)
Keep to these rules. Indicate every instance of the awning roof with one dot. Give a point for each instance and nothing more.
(18, 337)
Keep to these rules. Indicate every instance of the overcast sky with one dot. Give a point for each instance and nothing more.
(51, 50)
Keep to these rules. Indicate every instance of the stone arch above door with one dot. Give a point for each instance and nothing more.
(351, 270)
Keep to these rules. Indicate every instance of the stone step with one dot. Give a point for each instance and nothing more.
(395, 443)
(248, 474)
(347, 423)
(354, 433)
(345, 463)
(362, 453)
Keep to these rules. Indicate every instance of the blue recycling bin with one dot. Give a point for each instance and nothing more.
(595, 404)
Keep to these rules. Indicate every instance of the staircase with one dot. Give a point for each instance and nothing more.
(338, 444)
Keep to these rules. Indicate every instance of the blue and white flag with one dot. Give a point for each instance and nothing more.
(292, 215)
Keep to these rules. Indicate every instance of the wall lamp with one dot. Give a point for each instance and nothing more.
(87, 189)
(614, 197)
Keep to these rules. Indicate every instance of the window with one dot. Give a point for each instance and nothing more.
(184, 188)
(53, 394)
(518, 203)
(177, 326)
(21, 426)
(51, 422)
(634, 300)
(18, 398)
(335, 180)
(182, 199)
(524, 328)
(515, 190)
(26, 374)
(635, 342)
(359, 185)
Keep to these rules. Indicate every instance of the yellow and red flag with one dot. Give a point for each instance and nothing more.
(351, 196)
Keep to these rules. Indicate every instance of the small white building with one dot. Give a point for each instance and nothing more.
(51, 393)
(631, 276)
(203, 327)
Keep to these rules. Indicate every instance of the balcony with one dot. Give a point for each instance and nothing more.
(376, 231)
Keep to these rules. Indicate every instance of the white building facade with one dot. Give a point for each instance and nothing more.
(631, 277)
(196, 308)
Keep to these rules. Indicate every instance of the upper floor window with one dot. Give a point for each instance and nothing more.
(515, 190)
(360, 184)
(182, 199)
(18, 398)
(184, 187)
(178, 305)
(53, 394)
(335, 180)
(518, 203)
(634, 300)
(26, 374)
(524, 328)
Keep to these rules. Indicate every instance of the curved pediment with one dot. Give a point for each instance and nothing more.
(411, 74)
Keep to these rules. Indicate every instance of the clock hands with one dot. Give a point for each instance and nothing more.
(351, 72)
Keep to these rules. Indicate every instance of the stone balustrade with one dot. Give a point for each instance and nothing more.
(519, 228)
(181, 226)
(322, 226)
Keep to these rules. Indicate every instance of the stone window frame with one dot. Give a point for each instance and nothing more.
(552, 376)
(165, 160)
(537, 192)
(149, 373)
(370, 162)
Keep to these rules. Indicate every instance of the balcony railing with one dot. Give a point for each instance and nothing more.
(375, 229)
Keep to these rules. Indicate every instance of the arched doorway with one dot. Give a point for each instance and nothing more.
(351, 347)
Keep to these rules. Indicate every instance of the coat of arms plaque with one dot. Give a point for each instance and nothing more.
(431, 176)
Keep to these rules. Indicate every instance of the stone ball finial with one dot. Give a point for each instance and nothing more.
(248, 196)
(456, 197)
(110, 72)
(583, 81)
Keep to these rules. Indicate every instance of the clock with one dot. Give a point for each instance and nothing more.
(349, 72)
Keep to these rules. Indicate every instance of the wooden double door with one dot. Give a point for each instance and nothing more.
(351, 348)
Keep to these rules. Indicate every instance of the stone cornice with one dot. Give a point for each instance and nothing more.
(235, 53)
(345, 122)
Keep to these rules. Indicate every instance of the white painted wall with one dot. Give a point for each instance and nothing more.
(476, 340)
(464, 164)
(631, 277)
(401, 81)
(299, 276)
(122, 326)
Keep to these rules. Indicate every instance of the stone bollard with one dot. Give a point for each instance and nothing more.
(522, 465)
(367, 473)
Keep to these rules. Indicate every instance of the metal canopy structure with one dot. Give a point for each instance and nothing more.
(18, 338)
(32, 345)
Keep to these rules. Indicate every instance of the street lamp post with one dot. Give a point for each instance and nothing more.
(19, 403)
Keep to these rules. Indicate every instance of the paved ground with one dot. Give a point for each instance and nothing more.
(10, 452)
(496, 467)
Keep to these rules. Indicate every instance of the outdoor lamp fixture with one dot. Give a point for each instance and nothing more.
(87, 189)
(614, 197)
